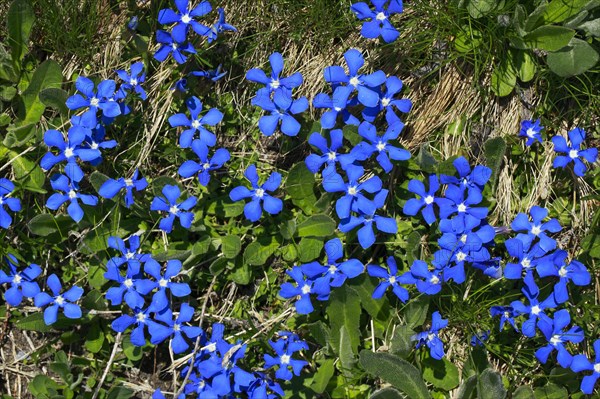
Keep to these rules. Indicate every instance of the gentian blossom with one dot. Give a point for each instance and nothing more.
(111, 187)
(390, 279)
(378, 23)
(282, 108)
(536, 309)
(259, 194)
(507, 315)
(219, 27)
(102, 98)
(337, 103)
(573, 152)
(212, 74)
(131, 255)
(162, 282)
(380, 145)
(353, 199)
(329, 156)
(177, 330)
(427, 282)
(170, 46)
(130, 288)
(532, 131)
(58, 300)
(184, 19)
(554, 333)
(133, 80)
(334, 271)
(428, 198)
(21, 283)
(142, 320)
(284, 349)
(388, 102)
(14, 204)
(536, 228)
(173, 208)
(70, 192)
(574, 272)
(431, 338)
(205, 164)
(196, 123)
(581, 363)
(274, 81)
(467, 178)
(303, 289)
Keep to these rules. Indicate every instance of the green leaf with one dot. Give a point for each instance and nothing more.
(344, 310)
(401, 343)
(351, 134)
(378, 309)
(386, 393)
(20, 19)
(489, 385)
(94, 300)
(300, 186)
(504, 77)
(322, 376)
(55, 98)
(534, 19)
(480, 8)
(47, 75)
(257, 252)
(467, 40)
(287, 229)
(45, 224)
(119, 393)
(33, 322)
(398, 372)
(441, 374)
(317, 226)
(573, 60)
(548, 37)
(591, 28)
(231, 246)
(309, 249)
(425, 160)
(97, 179)
(346, 352)
(41, 384)
(132, 352)
(524, 64)
(241, 274)
(551, 391)
(523, 392)
(560, 10)
(28, 173)
(218, 266)
(18, 135)
(415, 312)
(468, 388)
(494, 150)
(320, 332)
(7, 93)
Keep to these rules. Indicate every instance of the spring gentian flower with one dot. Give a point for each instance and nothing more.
(556, 337)
(467, 178)
(22, 283)
(464, 207)
(574, 271)
(366, 85)
(581, 363)
(132, 81)
(380, 146)
(507, 314)
(133, 23)
(284, 349)
(175, 210)
(163, 282)
(574, 152)
(427, 282)
(264, 388)
(103, 98)
(70, 192)
(259, 194)
(536, 228)
(219, 27)
(196, 123)
(366, 235)
(330, 155)
(131, 255)
(428, 198)
(478, 339)
(334, 271)
(379, 24)
(274, 81)
(303, 288)
(176, 328)
(129, 285)
(58, 301)
(431, 337)
(141, 319)
(111, 187)
(387, 102)
(202, 168)
(14, 204)
(212, 74)
(184, 18)
(531, 130)
(353, 199)
(170, 46)
(535, 309)
(336, 104)
(527, 257)
(390, 278)
(282, 107)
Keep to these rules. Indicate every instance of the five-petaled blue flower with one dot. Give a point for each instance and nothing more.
(259, 194)
(141, 319)
(14, 204)
(58, 301)
(22, 283)
(536, 309)
(111, 187)
(102, 98)
(176, 329)
(282, 107)
(70, 192)
(274, 81)
(303, 288)
(130, 285)
(554, 333)
(133, 80)
(336, 104)
(431, 337)
(353, 199)
(428, 198)
(573, 152)
(507, 314)
(202, 168)
(284, 349)
(219, 27)
(184, 18)
(379, 24)
(196, 123)
(170, 46)
(174, 209)
(163, 282)
(556, 265)
(212, 74)
(531, 130)
(387, 102)
(330, 155)
(536, 228)
(581, 363)
(380, 145)
(390, 278)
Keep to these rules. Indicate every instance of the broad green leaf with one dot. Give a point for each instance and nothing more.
(504, 77)
(364, 285)
(120, 393)
(317, 226)
(351, 134)
(534, 19)
(4, 119)
(480, 8)
(287, 229)
(300, 186)
(18, 135)
(257, 252)
(560, 10)
(309, 249)
(415, 312)
(47, 75)
(132, 352)
(467, 388)
(346, 352)
(94, 300)
(28, 173)
(573, 60)
(218, 266)
(344, 310)
(592, 28)
(7, 93)
(41, 384)
(519, 19)
(386, 393)
(33, 322)
(548, 37)
(231, 246)
(489, 385)
(425, 160)
(322, 376)
(524, 64)
(467, 40)
(398, 372)
(55, 98)
(97, 179)
(94, 338)
(241, 274)
(551, 391)
(45, 224)
(160, 182)
(494, 150)
(320, 332)
(401, 343)
(20, 19)
(523, 392)
(441, 374)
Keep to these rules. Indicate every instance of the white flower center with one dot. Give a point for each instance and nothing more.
(597, 367)
(128, 283)
(352, 190)
(206, 165)
(354, 81)
(129, 182)
(176, 327)
(434, 280)
(69, 152)
(506, 314)
(17, 279)
(285, 359)
(195, 124)
(133, 81)
(59, 300)
(94, 102)
(275, 84)
(461, 256)
(332, 269)
(94, 145)
(535, 310)
(526, 263)
(331, 155)
(555, 339)
(259, 193)
(385, 101)
(211, 347)
(535, 230)
(562, 272)
(1, 200)
(392, 279)
(305, 289)
(141, 317)
(186, 18)
(337, 109)
(573, 154)
(429, 200)
(530, 133)
(173, 209)
(380, 16)
(430, 336)
(463, 238)
(163, 282)
(72, 194)
(174, 46)
(380, 146)
(462, 207)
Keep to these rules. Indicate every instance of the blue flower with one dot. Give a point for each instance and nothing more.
(536, 228)
(133, 23)
(467, 178)
(478, 339)
(264, 388)
(14, 204)
(141, 319)
(22, 283)
(336, 104)
(427, 282)
(390, 278)
(507, 314)
(282, 107)
(463, 206)
(70, 192)
(574, 271)
(174, 209)
(58, 301)
(380, 146)
(379, 24)
(556, 337)
(431, 337)
(96, 141)
(387, 102)
(330, 155)
(528, 258)
(531, 130)
(219, 27)
(196, 123)
(259, 194)
(574, 152)
(184, 18)
(176, 328)
(132, 81)
(335, 272)
(366, 235)
(103, 98)
(274, 81)
(284, 349)
(366, 85)
(169, 46)
(163, 282)
(130, 255)
(353, 199)
(212, 74)
(303, 288)
(536, 309)
(202, 168)
(428, 198)
(581, 363)
(130, 287)
(111, 187)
